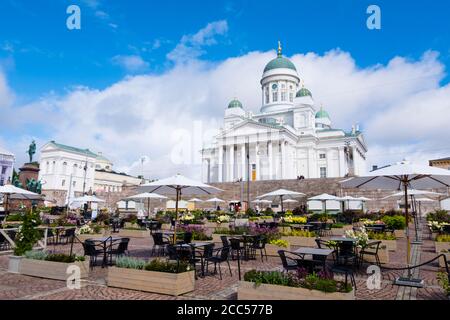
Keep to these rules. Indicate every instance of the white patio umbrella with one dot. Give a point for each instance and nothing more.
(290, 201)
(413, 192)
(324, 197)
(282, 194)
(195, 200)
(10, 190)
(178, 185)
(403, 176)
(215, 200)
(148, 196)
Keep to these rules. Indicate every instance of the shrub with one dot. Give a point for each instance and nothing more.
(130, 263)
(27, 235)
(300, 233)
(131, 218)
(159, 265)
(268, 212)
(396, 222)
(250, 212)
(295, 219)
(54, 257)
(14, 217)
(443, 238)
(35, 255)
(338, 225)
(439, 216)
(443, 280)
(279, 243)
(380, 236)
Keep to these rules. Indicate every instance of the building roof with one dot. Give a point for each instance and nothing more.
(303, 92)
(280, 62)
(442, 159)
(322, 114)
(235, 104)
(5, 152)
(86, 152)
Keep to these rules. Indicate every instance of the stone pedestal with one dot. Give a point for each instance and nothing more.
(27, 172)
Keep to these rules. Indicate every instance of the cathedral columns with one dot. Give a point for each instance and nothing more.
(243, 157)
(269, 151)
(220, 164)
(342, 170)
(283, 160)
(257, 161)
(231, 164)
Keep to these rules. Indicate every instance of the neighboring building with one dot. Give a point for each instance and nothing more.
(443, 163)
(288, 139)
(67, 169)
(6, 166)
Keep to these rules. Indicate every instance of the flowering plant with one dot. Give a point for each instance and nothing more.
(187, 217)
(291, 219)
(362, 238)
(223, 219)
(279, 243)
(86, 229)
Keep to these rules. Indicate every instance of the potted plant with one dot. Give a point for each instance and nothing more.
(442, 242)
(444, 281)
(278, 285)
(158, 276)
(26, 237)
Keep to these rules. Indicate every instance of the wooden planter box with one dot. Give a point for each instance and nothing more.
(151, 281)
(399, 234)
(248, 291)
(134, 233)
(441, 260)
(50, 269)
(301, 241)
(338, 231)
(272, 250)
(284, 229)
(440, 246)
(131, 225)
(391, 245)
(84, 237)
(383, 254)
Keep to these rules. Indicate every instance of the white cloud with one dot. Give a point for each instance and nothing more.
(131, 63)
(191, 46)
(400, 106)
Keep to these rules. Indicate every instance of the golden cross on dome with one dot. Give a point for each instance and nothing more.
(279, 48)
(303, 83)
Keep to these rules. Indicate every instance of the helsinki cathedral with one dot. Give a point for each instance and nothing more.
(289, 139)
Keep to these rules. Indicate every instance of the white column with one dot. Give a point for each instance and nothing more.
(231, 164)
(257, 161)
(341, 162)
(312, 165)
(244, 167)
(220, 164)
(283, 160)
(270, 160)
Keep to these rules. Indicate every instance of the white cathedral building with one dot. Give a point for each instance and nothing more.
(290, 137)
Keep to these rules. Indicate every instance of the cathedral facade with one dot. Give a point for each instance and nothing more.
(289, 139)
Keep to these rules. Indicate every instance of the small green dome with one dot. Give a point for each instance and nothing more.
(322, 114)
(303, 92)
(280, 62)
(235, 104)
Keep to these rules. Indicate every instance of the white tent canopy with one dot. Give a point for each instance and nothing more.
(18, 193)
(215, 200)
(85, 199)
(195, 200)
(413, 192)
(324, 198)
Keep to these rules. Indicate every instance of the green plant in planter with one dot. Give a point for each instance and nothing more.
(443, 238)
(27, 235)
(443, 280)
(279, 243)
(381, 236)
(396, 222)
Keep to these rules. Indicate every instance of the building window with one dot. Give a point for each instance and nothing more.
(53, 166)
(47, 167)
(3, 170)
(283, 95)
(74, 171)
(63, 183)
(267, 95)
(322, 156)
(323, 172)
(2, 181)
(64, 168)
(74, 183)
(291, 96)
(275, 96)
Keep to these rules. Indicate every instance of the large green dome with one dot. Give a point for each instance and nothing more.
(235, 104)
(280, 62)
(303, 92)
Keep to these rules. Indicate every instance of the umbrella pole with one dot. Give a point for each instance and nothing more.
(281, 199)
(176, 218)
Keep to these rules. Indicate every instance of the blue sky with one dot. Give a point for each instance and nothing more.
(45, 65)
(45, 49)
